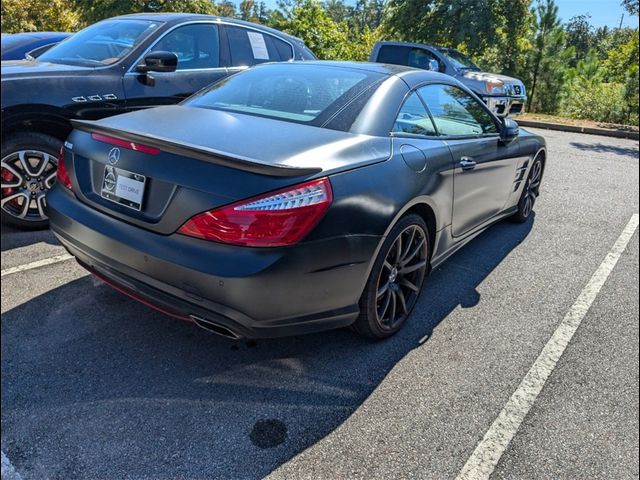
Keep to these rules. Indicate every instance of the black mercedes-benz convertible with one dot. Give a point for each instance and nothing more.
(292, 198)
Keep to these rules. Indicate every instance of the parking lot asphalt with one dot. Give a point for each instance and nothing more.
(97, 386)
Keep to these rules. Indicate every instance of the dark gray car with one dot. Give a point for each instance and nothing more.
(118, 65)
(292, 197)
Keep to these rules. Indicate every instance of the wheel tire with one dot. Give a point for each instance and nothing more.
(44, 149)
(530, 192)
(391, 261)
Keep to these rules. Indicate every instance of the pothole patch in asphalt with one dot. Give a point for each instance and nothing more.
(268, 433)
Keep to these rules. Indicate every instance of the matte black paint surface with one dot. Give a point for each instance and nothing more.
(317, 283)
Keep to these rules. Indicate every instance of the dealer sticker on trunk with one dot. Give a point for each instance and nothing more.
(123, 187)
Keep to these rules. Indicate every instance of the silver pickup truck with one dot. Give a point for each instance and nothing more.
(503, 95)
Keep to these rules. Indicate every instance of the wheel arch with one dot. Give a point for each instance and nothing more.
(542, 152)
(426, 209)
(44, 119)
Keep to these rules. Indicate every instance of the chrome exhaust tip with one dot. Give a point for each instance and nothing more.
(214, 327)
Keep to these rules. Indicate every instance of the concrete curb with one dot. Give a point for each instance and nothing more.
(576, 129)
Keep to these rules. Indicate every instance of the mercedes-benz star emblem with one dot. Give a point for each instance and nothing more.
(114, 155)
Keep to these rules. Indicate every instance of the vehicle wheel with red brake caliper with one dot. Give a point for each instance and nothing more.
(29, 164)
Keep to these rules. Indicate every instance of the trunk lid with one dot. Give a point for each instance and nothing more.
(206, 159)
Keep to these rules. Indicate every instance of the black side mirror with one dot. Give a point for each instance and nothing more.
(509, 130)
(159, 61)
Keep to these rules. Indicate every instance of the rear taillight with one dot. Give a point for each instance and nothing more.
(138, 147)
(276, 219)
(62, 174)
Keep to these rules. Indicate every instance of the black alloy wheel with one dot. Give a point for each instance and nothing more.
(396, 279)
(530, 192)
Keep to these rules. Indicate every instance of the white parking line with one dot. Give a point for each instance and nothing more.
(37, 264)
(8, 471)
(488, 452)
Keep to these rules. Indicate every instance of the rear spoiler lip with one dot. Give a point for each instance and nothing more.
(198, 152)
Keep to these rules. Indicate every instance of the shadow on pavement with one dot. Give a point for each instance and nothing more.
(13, 237)
(602, 148)
(95, 385)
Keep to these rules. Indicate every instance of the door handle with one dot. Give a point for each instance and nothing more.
(467, 163)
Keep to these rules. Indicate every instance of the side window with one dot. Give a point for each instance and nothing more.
(414, 118)
(36, 52)
(455, 112)
(249, 47)
(421, 58)
(281, 48)
(396, 55)
(197, 46)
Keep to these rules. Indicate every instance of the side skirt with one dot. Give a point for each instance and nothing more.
(450, 245)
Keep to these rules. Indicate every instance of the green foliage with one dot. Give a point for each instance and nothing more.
(226, 8)
(631, 91)
(620, 58)
(603, 102)
(580, 35)
(589, 97)
(253, 11)
(470, 25)
(631, 6)
(307, 19)
(95, 10)
(349, 39)
(574, 68)
(38, 15)
(546, 63)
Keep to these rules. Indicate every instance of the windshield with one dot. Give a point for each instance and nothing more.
(293, 92)
(458, 60)
(101, 44)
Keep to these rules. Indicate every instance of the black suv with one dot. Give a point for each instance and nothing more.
(114, 66)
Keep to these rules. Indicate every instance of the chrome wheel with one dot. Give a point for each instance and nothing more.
(26, 176)
(532, 189)
(401, 277)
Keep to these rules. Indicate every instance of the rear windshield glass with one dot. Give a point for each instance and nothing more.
(293, 92)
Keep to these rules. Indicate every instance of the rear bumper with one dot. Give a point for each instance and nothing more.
(504, 106)
(252, 292)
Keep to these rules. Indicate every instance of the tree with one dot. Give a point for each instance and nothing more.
(580, 36)
(470, 25)
(631, 94)
(621, 57)
(225, 8)
(368, 14)
(516, 23)
(547, 60)
(95, 10)
(34, 15)
(308, 20)
(338, 10)
(248, 10)
(254, 12)
(631, 6)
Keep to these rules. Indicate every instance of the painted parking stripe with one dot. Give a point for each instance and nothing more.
(8, 471)
(488, 452)
(37, 264)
